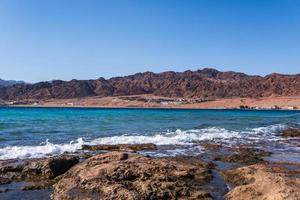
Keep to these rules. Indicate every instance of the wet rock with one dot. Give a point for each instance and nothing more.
(291, 132)
(10, 166)
(263, 181)
(120, 147)
(4, 190)
(39, 185)
(118, 175)
(211, 146)
(10, 170)
(192, 160)
(244, 155)
(48, 168)
(234, 178)
(40, 172)
(4, 180)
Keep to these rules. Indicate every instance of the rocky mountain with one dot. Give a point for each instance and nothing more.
(205, 83)
(9, 82)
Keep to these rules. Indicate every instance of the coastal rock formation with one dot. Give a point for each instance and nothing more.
(120, 147)
(10, 170)
(206, 83)
(263, 182)
(35, 169)
(291, 132)
(119, 175)
(242, 155)
(49, 168)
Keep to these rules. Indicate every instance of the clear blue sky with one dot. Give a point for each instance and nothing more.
(65, 39)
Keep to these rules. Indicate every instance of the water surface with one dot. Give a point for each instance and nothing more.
(39, 132)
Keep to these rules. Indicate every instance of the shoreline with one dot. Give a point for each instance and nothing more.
(213, 173)
(157, 102)
(150, 108)
(215, 168)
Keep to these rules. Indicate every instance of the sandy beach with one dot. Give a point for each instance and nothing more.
(150, 101)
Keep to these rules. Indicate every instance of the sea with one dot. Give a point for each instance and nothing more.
(43, 132)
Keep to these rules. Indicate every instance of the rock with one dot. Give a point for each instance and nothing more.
(118, 175)
(10, 170)
(4, 180)
(39, 185)
(263, 182)
(211, 146)
(120, 147)
(40, 172)
(48, 168)
(10, 166)
(192, 160)
(291, 132)
(4, 190)
(244, 155)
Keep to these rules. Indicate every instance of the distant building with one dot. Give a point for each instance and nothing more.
(275, 107)
(292, 108)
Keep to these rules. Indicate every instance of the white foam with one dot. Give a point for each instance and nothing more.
(23, 152)
(171, 138)
(272, 129)
(178, 137)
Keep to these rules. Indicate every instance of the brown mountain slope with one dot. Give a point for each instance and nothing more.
(205, 83)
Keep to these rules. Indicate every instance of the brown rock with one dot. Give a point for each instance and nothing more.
(38, 185)
(263, 182)
(291, 132)
(35, 169)
(192, 160)
(10, 170)
(48, 168)
(211, 146)
(4, 180)
(10, 166)
(118, 175)
(245, 156)
(120, 147)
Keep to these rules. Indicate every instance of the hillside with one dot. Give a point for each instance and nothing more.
(205, 83)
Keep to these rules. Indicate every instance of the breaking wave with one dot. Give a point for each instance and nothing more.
(178, 137)
(48, 149)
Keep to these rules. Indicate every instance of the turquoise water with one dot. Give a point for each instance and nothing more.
(38, 132)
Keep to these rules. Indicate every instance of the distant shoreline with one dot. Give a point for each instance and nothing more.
(150, 108)
(157, 102)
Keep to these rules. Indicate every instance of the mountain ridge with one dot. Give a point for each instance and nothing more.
(203, 83)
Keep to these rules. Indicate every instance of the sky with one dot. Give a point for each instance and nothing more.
(66, 39)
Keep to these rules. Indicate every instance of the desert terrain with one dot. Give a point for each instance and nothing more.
(150, 101)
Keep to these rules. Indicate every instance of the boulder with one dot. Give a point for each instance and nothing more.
(263, 182)
(40, 172)
(119, 175)
(48, 168)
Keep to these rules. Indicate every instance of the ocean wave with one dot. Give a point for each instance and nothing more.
(178, 137)
(272, 129)
(40, 151)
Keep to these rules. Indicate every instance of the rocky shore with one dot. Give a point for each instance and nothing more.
(122, 172)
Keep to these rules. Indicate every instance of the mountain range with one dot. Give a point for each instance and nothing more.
(206, 83)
